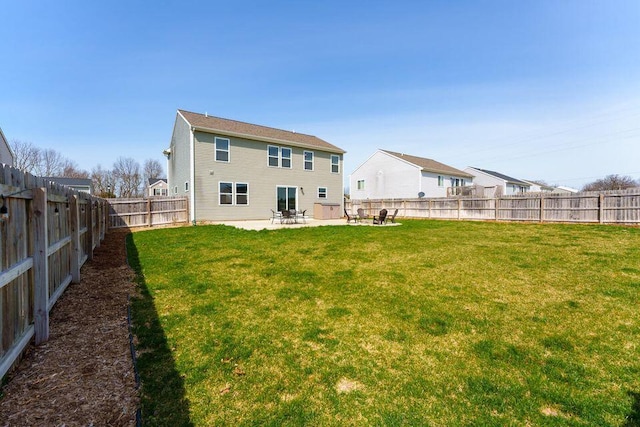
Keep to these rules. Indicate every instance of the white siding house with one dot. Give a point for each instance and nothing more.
(391, 175)
(6, 155)
(505, 185)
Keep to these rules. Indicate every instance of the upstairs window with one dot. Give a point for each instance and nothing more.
(273, 154)
(285, 155)
(360, 185)
(279, 156)
(335, 163)
(222, 149)
(440, 181)
(308, 160)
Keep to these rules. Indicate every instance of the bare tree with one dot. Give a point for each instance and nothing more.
(126, 171)
(27, 155)
(71, 170)
(104, 182)
(611, 182)
(51, 163)
(152, 169)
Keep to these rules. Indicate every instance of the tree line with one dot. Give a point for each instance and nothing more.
(125, 179)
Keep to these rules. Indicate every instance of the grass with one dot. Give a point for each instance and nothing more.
(429, 323)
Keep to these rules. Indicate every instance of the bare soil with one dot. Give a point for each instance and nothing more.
(84, 374)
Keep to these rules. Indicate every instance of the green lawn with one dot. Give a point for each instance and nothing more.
(429, 323)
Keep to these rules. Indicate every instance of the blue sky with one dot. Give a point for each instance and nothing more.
(534, 89)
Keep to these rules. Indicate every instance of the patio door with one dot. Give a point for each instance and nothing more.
(286, 198)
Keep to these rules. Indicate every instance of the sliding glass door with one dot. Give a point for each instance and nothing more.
(286, 198)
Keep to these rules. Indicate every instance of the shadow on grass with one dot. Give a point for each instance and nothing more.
(162, 392)
(633, 419)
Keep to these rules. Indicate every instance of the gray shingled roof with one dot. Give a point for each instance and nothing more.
(504, 177)
(236, 128)
(429, 164)
(154, 180)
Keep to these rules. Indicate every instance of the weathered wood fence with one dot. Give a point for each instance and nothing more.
(610, 207)
(47, 231)
(148, 212)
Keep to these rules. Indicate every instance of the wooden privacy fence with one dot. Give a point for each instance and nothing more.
(611, 207)
(48, 231)
(148, 212)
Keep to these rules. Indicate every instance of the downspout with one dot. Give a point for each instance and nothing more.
(192, 168)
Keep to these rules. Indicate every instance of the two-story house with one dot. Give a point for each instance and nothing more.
(505, 185)
(390, 175)
(232, 170)
(157, 187)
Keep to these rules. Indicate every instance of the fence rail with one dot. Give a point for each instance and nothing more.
(612, 207)
(47, 232)
(148, 212)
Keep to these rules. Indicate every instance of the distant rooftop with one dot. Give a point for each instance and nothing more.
(503, 176)
(429, 165)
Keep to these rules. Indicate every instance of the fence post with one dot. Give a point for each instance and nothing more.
(429, 208)
(459, 206)
(496, 204)
(601, 208)
(98, 222)
(74, 217)
(40, 265)
(89, 216)
(541, 208)
(149, 211)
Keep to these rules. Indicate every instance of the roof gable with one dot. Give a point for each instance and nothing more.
(154, 181)
(503, 177)
(429, 165)
(213, 124)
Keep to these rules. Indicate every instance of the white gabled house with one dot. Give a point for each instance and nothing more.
(6, 154)
(157, 187)
(233, 170)
(504, 184)
(391, 175)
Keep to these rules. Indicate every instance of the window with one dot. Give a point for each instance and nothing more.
(226, 193)
(322, 192)
(175, 190)
(242, 193)
(285, 154)
(222, 149)
(186, 186)
(233, 193)
(279, 156)
(335, 164)
(457, 182)
(308, 160)
(440, 181)
(360, 184)
(159, 191)
(273, 154)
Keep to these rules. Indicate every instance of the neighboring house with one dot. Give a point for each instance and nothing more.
(6, 154)
(538, 187)
(80, 184)
(233, 170)
(391, 175)
(566, 190)
(157, 187)
(505, 185)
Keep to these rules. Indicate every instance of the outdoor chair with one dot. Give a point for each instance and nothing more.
(303, 216)
(381, 217)
(361, 215)
(392, 218)
(276, 216)
(349, 217)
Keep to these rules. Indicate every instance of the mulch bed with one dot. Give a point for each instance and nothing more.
(84, 374)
